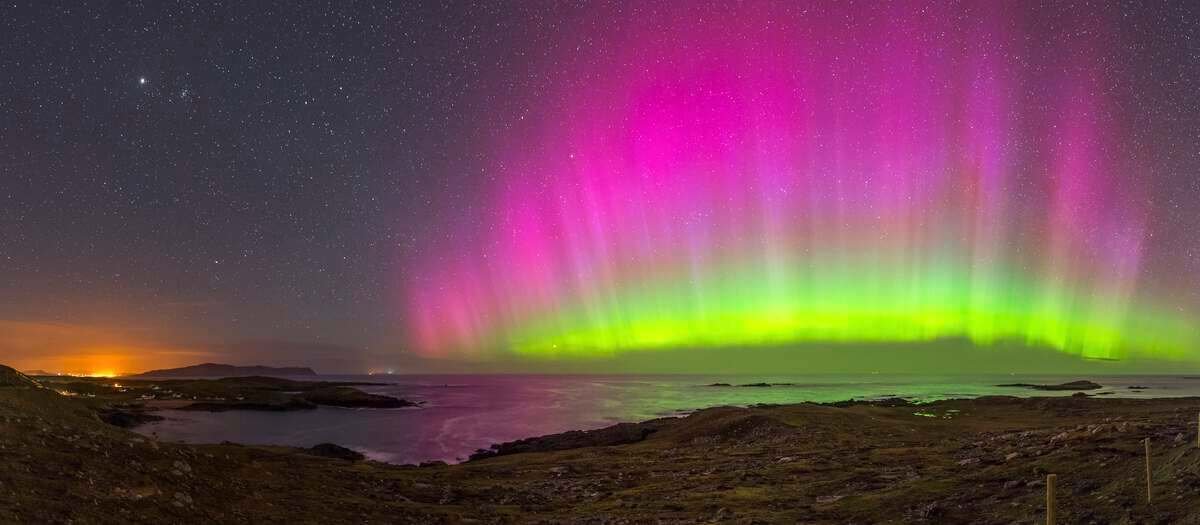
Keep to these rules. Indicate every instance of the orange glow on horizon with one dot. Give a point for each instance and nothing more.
(88, 350)
(106, 361)
(111, 361)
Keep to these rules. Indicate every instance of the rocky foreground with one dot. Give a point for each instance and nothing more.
(965, 461)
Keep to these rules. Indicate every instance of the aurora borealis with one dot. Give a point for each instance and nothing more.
(601, 186)
(755, 173)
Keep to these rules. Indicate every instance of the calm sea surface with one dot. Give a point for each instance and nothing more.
(463, 413)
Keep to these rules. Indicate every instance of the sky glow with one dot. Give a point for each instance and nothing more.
(759, 175)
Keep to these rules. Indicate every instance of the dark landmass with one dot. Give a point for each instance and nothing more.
(347, 397)
(956, 461)
(130, 399)
(1073, 385)
(37, 373)
(620, 434)
(330, 450)
(751, 385)
(126, 417)
(885, 402)
(220, 370)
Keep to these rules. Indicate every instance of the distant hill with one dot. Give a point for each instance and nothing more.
(220, 370)
(37, 373)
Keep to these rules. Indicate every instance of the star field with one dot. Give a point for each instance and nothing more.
(235, 181)
(203, 168)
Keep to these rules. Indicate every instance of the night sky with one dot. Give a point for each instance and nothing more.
(340, 184)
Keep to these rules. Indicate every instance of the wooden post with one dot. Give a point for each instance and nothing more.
(1050, 481)
(1147, 443)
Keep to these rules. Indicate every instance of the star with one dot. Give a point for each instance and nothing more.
(142, 80)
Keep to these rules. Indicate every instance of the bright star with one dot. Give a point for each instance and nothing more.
(141, 80)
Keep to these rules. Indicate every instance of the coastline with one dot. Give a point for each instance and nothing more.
(477, 412)
(979, 460)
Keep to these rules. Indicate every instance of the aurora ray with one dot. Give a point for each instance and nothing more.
(752, 173)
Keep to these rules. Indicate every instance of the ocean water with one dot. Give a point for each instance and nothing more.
(462, 413)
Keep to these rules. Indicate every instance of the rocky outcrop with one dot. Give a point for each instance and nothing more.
(126, 418)
(620, 434)
(330, 450)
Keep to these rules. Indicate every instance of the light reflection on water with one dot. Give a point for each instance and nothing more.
(463, 413)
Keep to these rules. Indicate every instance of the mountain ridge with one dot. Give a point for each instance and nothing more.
(225, 370)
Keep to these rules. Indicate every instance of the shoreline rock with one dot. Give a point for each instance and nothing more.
(619, 434)
(330, 450)
(127, 418)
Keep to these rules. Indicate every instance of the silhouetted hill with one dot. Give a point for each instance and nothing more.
(220, 370)
(13, 378)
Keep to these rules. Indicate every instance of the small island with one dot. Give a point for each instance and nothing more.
(1073, 385)
(749, 385)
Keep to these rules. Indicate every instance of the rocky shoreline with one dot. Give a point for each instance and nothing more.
(957, 461)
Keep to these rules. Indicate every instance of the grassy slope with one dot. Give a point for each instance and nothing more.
(799, 463)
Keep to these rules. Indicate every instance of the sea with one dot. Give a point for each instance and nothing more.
(462, 413)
